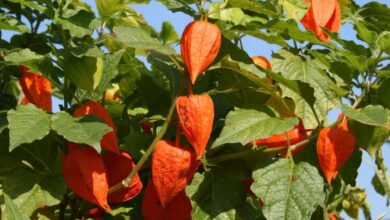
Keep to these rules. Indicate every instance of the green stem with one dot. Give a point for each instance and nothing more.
(126, 182)
(384, 180)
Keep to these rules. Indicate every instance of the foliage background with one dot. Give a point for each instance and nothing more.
(156, 13)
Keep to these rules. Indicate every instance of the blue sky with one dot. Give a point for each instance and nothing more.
(155, 13)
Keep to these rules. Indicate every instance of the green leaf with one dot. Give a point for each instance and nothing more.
(107, 8)
(234, 15)
(136, 143)
(370, 138)
(307, 71)
(110, 71)
(374, 115)
(139, 39)
(3, 124)
(79, 23)
(295, 9)
(10, 23)
(11, 211)
(85, 130)
(349, 171)
(177, 5)
(215, 197)
(27, 124)
(168, 34)
(384, 93)
(85, 72)
(363, 33)
(288, 190)
(81, 51)
(29, 189)
(376, 16)
(384, 41)
(22, 56)
(245, 125)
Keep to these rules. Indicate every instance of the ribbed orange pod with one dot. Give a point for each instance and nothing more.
(322, 13)
(263, 62)
(196, 116)
(200, 44)
(334, 147)
(85, 173)
(36, 88)
(178, 209)
(118, 167)
(171, 166)
(296, 135)
(109, 140)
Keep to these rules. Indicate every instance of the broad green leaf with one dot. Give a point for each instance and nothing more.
(260, 7)
(260, 83)
(11, 211)
(215, 197)
(370, 138)
(110, 71)
(168, 34)
(349, 171)
(27, 124)
(374, 115)
(363, 33)
(177, 5)
(136, 143)
(85, 130)
(22, 56)
(384, 93)
(290, 30)
(81, 51)
(148, 87)
(137, 38)
(3, 124)
(288, 190)
(107, 8)
(29, 190)
(295, 9)
(31, 4)
(234, 15)
(241, 91)
(384, 41)
(245, 125)
(78, 24)
(307, 71)
(376, 16)
(10, 23)
(85, 72)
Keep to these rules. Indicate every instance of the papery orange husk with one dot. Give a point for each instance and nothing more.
(331, 216)
(262, 61)
(85, 173)
(171, 165)
(109, 140)
(196, 116)
(178, 209)
(95, 214)
(334, 147)
(118, 167)
(200, 44)
(37, 89)
(322, 13)
(296, 135)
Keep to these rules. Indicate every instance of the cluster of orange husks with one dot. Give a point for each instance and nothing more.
(90, 175)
